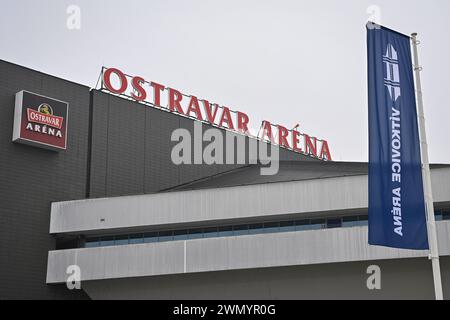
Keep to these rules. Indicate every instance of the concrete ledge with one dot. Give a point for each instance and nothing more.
(244, 202)
(233, 253)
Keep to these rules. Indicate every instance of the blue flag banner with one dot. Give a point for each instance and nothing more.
(396, 199)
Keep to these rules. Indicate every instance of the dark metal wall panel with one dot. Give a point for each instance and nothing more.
(131, 149)
(99, 142)
(160, 172)
(287, 155)
(188, 173)
(31, 178)
(126, 148)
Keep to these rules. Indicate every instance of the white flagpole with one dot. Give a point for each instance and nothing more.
(431, 223)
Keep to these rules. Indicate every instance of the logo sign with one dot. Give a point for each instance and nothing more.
(396, 199)
(40, 121)
(157, 95)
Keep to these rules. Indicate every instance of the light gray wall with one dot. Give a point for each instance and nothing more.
(229, 253)
(272, 199)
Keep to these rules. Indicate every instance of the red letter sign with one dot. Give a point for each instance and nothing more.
(107, 80)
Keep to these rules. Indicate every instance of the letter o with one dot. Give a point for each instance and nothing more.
(107, 80)
(396, 144)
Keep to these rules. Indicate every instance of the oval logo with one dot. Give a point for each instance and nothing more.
(45, 109)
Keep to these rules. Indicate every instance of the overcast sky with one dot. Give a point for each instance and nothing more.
(285, 61)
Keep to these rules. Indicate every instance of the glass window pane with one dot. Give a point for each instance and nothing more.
(438, 215)
(446, 215)
(271, 227)
(256, 228)
(151, 237)
(287, 226)
(317, 224)
(225, 231)
(240, 230)
(196, 234)
(210, 232)
(363, 220)
(334, 223)
(165, 236)
(136, 238)
(180, 235)
(121, 240)
(302, 225)
(106, 241)
(92, 242)
(348, 222)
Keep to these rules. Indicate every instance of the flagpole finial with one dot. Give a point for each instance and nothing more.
(414, 38)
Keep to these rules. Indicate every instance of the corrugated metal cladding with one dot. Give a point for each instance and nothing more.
(31, 178)
(131, 149)
(127, 152)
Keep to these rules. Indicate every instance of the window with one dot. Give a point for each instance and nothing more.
(151, 237)
(271, 227)
(210, 232)
(92, 242)
(334, 223)
(180, 235)
(196, 234)
(255, 228)
(136, 238)
(348, 222)
(302, 225)
(121, 240)
(237, 230)
(240, 230)
(287, 226)
(318, 224)
(446, 215)
(106, 241)
(363, 220)
(225, 231)
(438, 215)
(165, 236)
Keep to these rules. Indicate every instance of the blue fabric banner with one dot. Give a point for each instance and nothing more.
(396, 199)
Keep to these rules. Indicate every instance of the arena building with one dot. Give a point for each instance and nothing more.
(97, 189)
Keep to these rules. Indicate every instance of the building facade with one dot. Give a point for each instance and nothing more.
(138, 226)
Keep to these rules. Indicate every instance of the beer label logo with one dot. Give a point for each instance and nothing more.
(44, 116)
(45, 109)
(41, 121)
